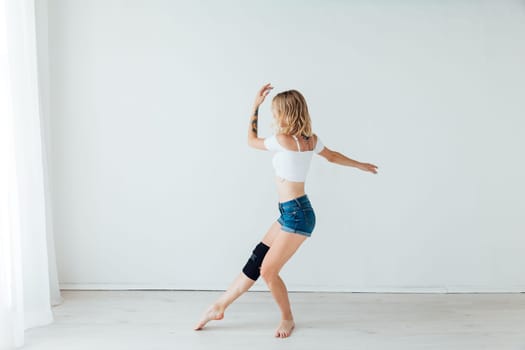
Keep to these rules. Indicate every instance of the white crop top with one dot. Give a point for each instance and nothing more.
(291, 165)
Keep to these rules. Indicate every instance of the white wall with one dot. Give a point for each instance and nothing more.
(155, 187)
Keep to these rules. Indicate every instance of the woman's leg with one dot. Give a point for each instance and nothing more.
(238, 287)
(282, 249)
(216, 311)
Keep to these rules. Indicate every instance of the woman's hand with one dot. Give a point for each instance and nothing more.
(261, 95)
(368, 167)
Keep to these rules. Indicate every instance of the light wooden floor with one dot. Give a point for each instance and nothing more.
(98, 320)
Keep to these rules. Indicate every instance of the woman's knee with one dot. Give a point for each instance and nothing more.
(268, 273)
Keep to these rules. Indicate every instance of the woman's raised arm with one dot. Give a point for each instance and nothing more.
(253, 139)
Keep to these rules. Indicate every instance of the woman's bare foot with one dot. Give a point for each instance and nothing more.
(285, 328)
(214, 312)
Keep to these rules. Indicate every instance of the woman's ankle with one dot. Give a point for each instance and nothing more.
(219, 306)
(287, 316)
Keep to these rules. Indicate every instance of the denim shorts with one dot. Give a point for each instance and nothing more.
(297, 216)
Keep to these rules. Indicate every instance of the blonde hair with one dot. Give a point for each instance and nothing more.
(292, 113)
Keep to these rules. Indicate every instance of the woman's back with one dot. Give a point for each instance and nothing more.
(291, 162)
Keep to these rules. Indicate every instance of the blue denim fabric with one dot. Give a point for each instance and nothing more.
(297, 216)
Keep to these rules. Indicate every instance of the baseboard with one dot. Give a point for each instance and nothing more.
(303, 288)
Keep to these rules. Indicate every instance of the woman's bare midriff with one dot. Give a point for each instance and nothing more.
(288, 190)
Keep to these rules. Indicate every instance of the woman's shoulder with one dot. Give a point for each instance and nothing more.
(290, 137)
(285, 140)
(289, 142)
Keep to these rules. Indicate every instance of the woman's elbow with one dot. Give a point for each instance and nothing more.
(255, 142)
(329, 155)
(332, 157)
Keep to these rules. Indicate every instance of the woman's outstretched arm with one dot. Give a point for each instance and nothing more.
(253, 139)
(341, 159)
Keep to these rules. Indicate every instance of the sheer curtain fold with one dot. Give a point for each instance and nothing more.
(27, 264)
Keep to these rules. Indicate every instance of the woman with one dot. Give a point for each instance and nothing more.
(294, 146)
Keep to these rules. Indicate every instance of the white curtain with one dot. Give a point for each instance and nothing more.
(28, 279)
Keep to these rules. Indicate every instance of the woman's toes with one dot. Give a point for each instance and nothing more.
(285, 329)
(213, 313)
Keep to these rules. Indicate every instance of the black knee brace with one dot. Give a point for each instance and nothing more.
(252, 267)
